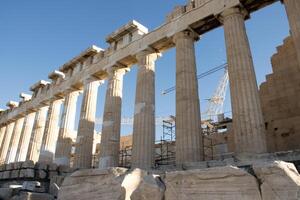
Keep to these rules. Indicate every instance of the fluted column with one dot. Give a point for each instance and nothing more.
(5, 142)
(37, 134)
(2, 133)
(189, 145)
(25, 137)
(14, 142)
(66, 132)
(85, 134)
(51, 133)
(110, 137)
(293, 12)
(143, 149)
(248, 124)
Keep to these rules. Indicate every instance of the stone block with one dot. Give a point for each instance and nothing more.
(52, 167)
(194, 165)
(52, 174)
(28, 164)
(279, 180)
(31, 185)
(15, 173)
(100, 184)
(10, 166)
(6, 193)
(41, 166)
(65, 169)
(6, 175)
(26, 173)
(18, 165)
(55, 184)
(224, 183)
(41, 174)
(141, 185)
(32, 196)
(1, 175)
(216, 163)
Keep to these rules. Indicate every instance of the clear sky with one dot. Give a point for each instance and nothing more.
(37, 37)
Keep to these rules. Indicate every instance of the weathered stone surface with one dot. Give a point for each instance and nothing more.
(18, 165)
(6, 175)
(194, 165)
(94, 184)
(279, 180)
(55, 184)
(28, 164)
(216, 163)
(53, 167)
(33, 186)
(6, 193)
(140, 185)
(33, 196)
(10, 166)
(41, 165)
(2, 168)
(42, 174)
(220, 183)
(15, 173)
(26, 173)
(52, 174)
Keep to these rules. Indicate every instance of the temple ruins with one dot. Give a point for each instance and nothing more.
(40, 150)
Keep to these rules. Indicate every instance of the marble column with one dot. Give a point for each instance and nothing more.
(37, 134)
(66, 132)
(2, 133)
(293, 12)
(25, 137)
(14, 142)
(110, 137)
(85, 134)
(248, 123)
(189, 145)
(51, 132)
(5, 142)
(143, 148)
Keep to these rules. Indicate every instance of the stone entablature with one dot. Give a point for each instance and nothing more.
(159, 39)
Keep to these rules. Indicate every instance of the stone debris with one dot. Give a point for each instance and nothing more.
(278, 180)
(100, 184)
(142, 185)
(213, 183)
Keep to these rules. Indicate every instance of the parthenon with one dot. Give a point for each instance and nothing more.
(32, 131)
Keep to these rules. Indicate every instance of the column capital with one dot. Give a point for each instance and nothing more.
(71, 91)
(92, 80)
(186, 34)
(152, 54)
(233, 11)
(114, 71)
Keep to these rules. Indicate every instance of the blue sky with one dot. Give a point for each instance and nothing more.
(37, 37)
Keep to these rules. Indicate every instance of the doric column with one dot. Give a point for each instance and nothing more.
(37, 134)
(248, 124)
(189, 145)
(66, 132)
(85, 134)
(2, 133)
(51, 132)
(110, 137)
(25, 137)
(143, 149)
(14, 142)
(293, 12)
(5, 142)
